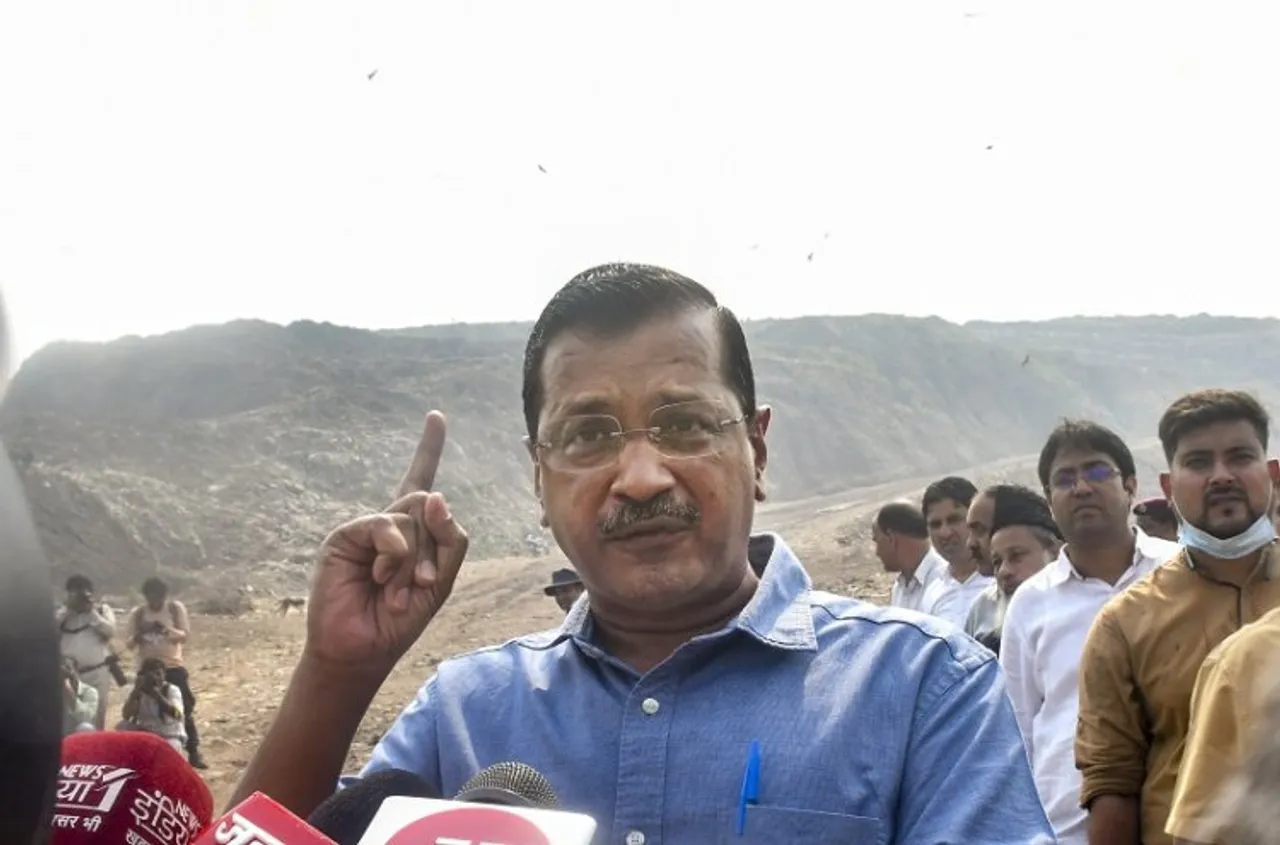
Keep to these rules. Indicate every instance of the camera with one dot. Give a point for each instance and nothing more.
(117, 674)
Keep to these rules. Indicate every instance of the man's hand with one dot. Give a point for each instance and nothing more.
(69, 695)
(382, 578)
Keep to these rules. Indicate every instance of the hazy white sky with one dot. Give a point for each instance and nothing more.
(163, 164)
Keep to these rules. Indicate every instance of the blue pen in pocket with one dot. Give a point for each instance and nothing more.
(750, 794)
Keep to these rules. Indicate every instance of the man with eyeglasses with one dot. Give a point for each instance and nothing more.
(1146, 647)
(700, 651)
(1088, 474)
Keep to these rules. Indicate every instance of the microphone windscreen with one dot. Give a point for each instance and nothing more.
(509, 784)
(127, 787)
(30, 686)
(347, 814)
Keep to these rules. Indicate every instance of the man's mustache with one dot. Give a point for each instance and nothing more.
(662, 507)
(1214, 495)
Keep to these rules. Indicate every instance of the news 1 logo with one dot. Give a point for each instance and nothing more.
(470, 826)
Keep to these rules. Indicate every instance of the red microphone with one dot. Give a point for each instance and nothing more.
(257, 820)
(127, 788)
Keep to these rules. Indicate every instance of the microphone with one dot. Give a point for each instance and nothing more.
(504, 804)
(258, 820)
(30, 694)
(117, 786)
(347, 814)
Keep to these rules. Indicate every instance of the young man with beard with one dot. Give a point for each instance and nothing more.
(1089, 476)
(996, 508)
(946, 508)
(1147, 645)
(698, 646)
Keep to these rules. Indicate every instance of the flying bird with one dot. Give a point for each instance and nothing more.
(1026, 360)
(541, 168)
(810, 258)
(373, 73)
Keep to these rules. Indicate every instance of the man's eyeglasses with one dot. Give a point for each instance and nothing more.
(1094, 474)
(593, 441)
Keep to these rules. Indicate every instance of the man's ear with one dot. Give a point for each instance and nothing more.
(532, 448)
(758, 427)
(1166, 485)
(1130, 485)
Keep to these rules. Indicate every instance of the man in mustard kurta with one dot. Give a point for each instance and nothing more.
(1226, 715)
(1146, 645)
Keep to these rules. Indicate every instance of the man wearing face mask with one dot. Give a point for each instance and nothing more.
(1146, 646)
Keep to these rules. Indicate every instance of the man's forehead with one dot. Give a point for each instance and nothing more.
(944, 507)
(1070, 457)
(980, 508)
(1220, 437)
(667, 359)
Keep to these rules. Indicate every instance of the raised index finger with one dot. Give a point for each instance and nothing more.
(421, 474)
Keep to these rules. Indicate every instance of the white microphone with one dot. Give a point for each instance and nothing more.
(505, 804)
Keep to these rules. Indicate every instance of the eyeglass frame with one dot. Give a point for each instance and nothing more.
(650, 432)
(1079, 474)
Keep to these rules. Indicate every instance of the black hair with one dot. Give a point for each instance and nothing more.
(1085, 435)
(155, 585)
(1202, 408)
(79, 582)
(902, 518)
(612, 299)
(959, 490)
(1018, 505)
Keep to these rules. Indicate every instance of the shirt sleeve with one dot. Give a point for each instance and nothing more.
(974, 618)
(1018, 662)
(175, 700)
(1111, 742)
(104, 621)
(1214, 750)
(412, 742)
(965, 742)
(181, 623)
(86, 709)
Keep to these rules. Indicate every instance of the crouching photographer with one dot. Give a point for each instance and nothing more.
(155, 706)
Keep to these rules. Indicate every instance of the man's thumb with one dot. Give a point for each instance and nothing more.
(451, 541)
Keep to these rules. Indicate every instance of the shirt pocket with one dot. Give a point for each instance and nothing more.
(769, 825)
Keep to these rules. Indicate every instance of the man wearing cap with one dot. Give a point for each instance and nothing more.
(565, 587)
(998, 507)
(1156, 518)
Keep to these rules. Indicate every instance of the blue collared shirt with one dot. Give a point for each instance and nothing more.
(875, 725)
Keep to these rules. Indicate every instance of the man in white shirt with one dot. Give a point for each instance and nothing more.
(945, 506)
(1088, 473)
(902, 544)
(86, 628)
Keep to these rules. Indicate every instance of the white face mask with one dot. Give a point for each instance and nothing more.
(1248, 541)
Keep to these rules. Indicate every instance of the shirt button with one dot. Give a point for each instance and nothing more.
(635, 837)
(649, 706)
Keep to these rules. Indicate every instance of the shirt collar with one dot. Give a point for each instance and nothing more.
(778, 615)
(1145, 547)
(928, 564)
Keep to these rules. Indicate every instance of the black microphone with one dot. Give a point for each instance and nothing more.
(507, 802)
(346, 815)
(509, 785)
(30, 682)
